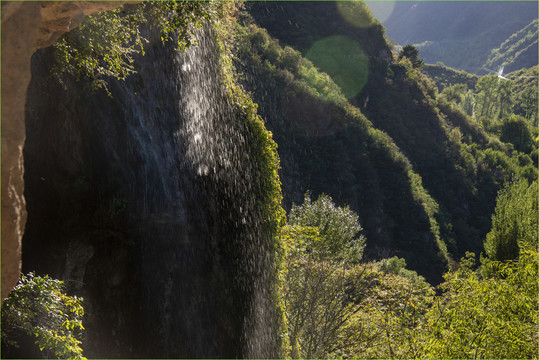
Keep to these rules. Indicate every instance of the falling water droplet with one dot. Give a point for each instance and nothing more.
(186, 67)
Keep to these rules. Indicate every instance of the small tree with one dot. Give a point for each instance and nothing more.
(322, 244)
(338, 227)
(514, 223)
(39, 308)
(411, 53)
(318, 295)
(516, 130)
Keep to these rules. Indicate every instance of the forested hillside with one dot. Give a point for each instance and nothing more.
(328, 146)
(461, 166)
(468, 35)
(444, 76)
(517, 52)
(464, 165)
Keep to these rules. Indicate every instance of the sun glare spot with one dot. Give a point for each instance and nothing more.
(381, 10)
(344, 60)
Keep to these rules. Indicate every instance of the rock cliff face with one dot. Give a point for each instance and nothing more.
(26, 26)
(147, 204)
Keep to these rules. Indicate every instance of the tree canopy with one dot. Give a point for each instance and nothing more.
(39, 308)
(411, 53)
(338, 228)
(514, 222)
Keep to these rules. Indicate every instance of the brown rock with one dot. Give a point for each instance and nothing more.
(26, 26)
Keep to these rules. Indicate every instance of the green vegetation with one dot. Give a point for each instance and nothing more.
(383, 310)
(490, 316)
(461, 162)
(105, 43)
(410, 52)
(525, 95)
(514, 223)
(105, 46)
(266, 215)
(461, 144)
(344, 60)
(397, 266)
(337, 226)
(488, 96)
(317, 304)
(328, 297)
(479, 156)
(519, 50)
(445, 76)
(420, 170)
(347, 157)
(517, 131)
(39, 308)
(492, 97)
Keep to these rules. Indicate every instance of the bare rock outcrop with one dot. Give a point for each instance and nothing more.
(26, 26)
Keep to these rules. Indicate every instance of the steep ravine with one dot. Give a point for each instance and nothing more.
(152, 205)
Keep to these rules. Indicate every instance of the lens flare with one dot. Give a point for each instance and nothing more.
(381, 10)
(344, 60)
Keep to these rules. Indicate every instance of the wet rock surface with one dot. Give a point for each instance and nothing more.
(142, 203)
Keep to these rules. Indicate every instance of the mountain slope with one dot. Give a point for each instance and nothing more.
(328, 146)
(444, 76)
(461, 166)
(517, 52)
(460, 34)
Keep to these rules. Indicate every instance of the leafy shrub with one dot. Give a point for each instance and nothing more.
(397, 266)
(104, 44)
(39, 308)
(514, 223)
(517, 131)
(338, 228)
(390, 310)
(492, 317)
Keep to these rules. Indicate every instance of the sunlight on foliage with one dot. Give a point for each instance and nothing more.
(105, 44)
(356, 13)
(338, 228)
(514, 223)
(38, 307)
(317, 294)
(490, 317)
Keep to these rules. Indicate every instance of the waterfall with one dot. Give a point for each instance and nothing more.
(145, 203)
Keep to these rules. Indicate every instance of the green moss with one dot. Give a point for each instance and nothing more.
(267, 187)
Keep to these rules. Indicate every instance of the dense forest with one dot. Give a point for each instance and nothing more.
(291, 190)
